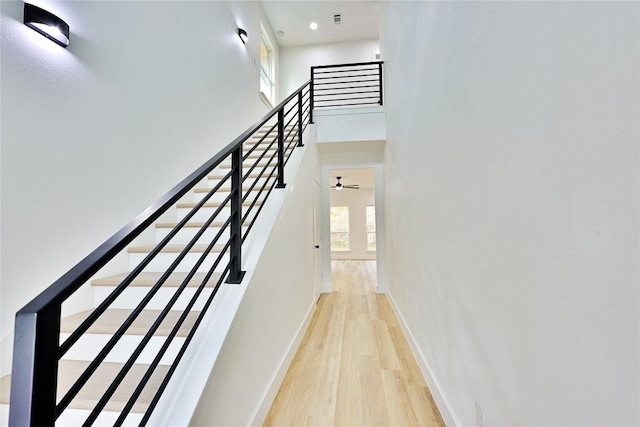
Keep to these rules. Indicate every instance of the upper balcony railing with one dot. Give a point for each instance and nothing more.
(346, 85)
(255, 162)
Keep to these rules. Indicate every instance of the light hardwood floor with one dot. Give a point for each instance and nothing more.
(354, 366)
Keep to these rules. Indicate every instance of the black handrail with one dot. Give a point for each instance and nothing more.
(37, 350)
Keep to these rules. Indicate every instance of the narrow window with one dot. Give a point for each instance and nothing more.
(371, 228)
(267, 67)
(340, 228)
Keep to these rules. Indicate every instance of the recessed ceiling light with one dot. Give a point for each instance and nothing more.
(313, 26)
(281, 33)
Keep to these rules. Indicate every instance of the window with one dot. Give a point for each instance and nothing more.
(371, 228)
(339, 228)
(267, 67)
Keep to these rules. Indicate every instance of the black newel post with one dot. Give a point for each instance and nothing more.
(35, 368)
(380, 80)
(281, 183)
(236, 274)
(300, 119)
(311, 98)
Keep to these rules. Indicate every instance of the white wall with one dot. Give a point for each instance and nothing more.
(511, 188)
(351, 124)
(356, 201)
(296, 62)
(93, 134)
(273, 315)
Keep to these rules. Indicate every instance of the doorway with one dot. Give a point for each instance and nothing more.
(352, 223)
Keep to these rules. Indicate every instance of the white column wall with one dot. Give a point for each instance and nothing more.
(511, 185)
(93, 134)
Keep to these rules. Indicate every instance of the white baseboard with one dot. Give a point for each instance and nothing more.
(434, 386)
(270, 395)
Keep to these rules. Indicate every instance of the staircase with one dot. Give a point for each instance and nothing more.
(110, 365)
(259, 154)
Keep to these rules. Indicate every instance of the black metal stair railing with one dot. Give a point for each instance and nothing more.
(346, 85)
(37, 351)
(256, 161)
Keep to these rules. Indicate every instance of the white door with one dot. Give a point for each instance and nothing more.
(317, 257)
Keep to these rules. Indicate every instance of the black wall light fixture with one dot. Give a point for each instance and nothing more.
(47, 24)
(243, 35)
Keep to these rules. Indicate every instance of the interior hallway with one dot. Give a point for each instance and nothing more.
(354, 366)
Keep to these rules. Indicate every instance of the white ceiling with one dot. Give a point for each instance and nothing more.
(365, 178)
(359, 21)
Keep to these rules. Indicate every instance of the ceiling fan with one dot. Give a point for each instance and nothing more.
(339, 185)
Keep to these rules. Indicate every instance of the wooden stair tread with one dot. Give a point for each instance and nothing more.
(112, 319)
(88, 397)
(173, 249)
(148, 279)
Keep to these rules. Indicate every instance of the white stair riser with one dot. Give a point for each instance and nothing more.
(130, 298)
(89, 345)
(162, 261)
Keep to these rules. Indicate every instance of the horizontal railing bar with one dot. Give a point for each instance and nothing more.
(292, 107)
(353, 64)
(295, 117)
(156, 324)
(174, 365)
(354, 87)
(348, 99)
(347, 77)
(156, 361)
(261, 157)
(102, 307)
(347, 105)
(289, 151)
(286, 138)
(347, 93)
(255, 147)
(355, 70)
(264, 185)
(345, 82)
(255, 182)
(257, 162)
(93, 365)
(250, 226)
(292, 143)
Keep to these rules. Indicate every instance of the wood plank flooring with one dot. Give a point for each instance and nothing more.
(354, 366)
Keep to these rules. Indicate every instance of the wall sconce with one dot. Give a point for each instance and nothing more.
(47, 24)
(243, 35)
